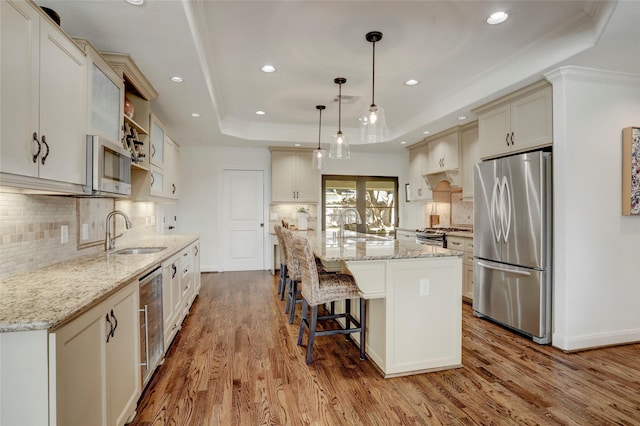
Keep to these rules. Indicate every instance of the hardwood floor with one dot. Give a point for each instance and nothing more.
(236, 362)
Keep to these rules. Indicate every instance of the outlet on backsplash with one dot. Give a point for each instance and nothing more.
(289, 214)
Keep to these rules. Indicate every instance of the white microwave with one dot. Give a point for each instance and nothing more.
(108, 168)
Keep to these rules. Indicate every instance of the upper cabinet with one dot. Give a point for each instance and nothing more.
(419, 190)
(156, 147)
(518, 122)
(470, 148)
(293, 178)
(106, 94)
(443, 152)
(44, 98)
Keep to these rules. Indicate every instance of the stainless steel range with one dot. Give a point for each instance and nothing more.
(436, 236)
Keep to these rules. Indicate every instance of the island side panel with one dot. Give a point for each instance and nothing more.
(424, 315)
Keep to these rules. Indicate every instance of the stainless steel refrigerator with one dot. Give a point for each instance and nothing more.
(512, 224)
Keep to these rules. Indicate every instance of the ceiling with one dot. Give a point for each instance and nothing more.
(461, 62)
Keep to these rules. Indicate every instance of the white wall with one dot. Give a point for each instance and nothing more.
(201, 180)
(597, 250)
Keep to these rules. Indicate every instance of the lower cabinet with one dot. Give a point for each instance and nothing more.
(180, 286)
(464, 244)
(406, 235)
(95, 358)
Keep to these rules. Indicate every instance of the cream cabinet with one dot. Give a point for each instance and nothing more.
(469, 145)
(443, 153)
(154, 183)
(44, 102)
(292, 177)
(518, 122)
(156, 147)
(96, 374)
(172, 168)
(180, 287)
(465, 245)
(419, 190)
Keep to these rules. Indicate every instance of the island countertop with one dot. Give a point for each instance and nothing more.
(357, 246)
(49, 297)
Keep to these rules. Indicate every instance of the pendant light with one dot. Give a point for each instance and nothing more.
(339, 143)
(373, 126)
(319, 155)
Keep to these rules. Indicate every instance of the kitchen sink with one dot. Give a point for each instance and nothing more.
(139, 250)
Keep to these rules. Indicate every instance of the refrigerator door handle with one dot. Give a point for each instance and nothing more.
(511, 271)
(495, 211)
(505, 214)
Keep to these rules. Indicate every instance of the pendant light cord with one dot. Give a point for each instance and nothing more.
(373, 78)
(340, 108)
(319, 127)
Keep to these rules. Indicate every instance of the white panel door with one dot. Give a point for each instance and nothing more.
(243, 221)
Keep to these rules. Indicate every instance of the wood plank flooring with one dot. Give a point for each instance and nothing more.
(236, 362)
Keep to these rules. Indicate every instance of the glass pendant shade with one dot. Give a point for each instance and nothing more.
(373, 126)
(339, 147)
(339, 143)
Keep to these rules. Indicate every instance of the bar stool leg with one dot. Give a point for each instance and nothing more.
(363, 327)
(312, 332)
(293, 297)
(347, 318)
(303, 320)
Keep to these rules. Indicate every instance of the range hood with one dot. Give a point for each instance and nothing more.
(453, 177)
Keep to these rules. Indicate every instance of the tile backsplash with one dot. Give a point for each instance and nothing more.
(455, 211)
(289, 213)
(31, 228)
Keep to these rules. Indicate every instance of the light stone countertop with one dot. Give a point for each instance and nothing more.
(47, 298)
(357, 246)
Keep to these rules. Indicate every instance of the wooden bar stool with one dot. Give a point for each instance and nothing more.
(318, 289)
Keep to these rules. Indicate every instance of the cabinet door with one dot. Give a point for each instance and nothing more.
(282, 176)
(307, 179)
(470, 156)
(19, 64)
(79, 370)
(172, 168)
(196, 267)
(156, 154)
(494, 130)
(531, 121)
(63, 107)
(450, 149)
(123, 357)
(169, 270)
(417, 168)
(157, 183)
(434, 157)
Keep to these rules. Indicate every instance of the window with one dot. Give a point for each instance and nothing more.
(374, 198)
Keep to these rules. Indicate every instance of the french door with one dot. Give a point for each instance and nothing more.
(374, 198)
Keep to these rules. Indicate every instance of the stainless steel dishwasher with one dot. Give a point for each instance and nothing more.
(151, 333)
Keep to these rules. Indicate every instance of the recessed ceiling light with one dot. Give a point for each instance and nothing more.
(497, 18)
(177, 79)
(462, 117)
(268, 68)
(135, 2)
(260, 113)
(403, 142)
(296, 144)
(426, 132)
(411, 82)
(195, 115)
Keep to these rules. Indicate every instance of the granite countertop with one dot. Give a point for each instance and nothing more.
(47, 298)
(357, 246)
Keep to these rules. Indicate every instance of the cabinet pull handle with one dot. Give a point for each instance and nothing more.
(196, 250)
(512, 142)
(110, 332)
(146, 335)
(153, 179)
(506, 139)
(175, 270)
(44, 142)
(35, 156)
(153, 150)
(174, 188)
(115, 325)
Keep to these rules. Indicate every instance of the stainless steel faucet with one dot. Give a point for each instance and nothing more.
(343, 215)
(109, 241)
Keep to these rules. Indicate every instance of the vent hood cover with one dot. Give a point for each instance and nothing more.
(451, 176)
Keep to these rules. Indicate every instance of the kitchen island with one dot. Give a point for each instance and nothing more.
(413, 291)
